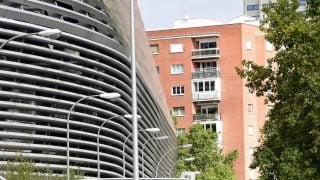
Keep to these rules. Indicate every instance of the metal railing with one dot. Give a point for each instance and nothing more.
(205, 73)
(206, 117)
(205, 53)
(206, 95)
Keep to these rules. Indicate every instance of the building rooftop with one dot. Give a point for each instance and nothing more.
(188, 22)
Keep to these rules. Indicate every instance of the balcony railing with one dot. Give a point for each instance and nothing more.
(207, 95)
(206, 73)
(206, 117)
(205, 53)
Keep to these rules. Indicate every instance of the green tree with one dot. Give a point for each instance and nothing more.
(209, 159)
(24, 169)
(174, 118)
(290, 143)
(20, 169)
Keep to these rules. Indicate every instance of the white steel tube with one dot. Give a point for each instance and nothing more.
(155, 138)
(111, 96)
(98, 142)
(151, 130)
(134, 97)
(170, 150)
(68, 132)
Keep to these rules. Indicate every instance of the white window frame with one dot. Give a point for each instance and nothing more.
(250, 108)
(178, 111)
(195, 86)
(250, 152)
(177, 69)
(180, 87)
(180, 131)
(251, 130)
(251, 174)
(203, 41)
(155, 45)
(176, 48)
(269, 46)
(248, 44)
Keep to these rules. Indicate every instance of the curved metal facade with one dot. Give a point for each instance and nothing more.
(41, 78)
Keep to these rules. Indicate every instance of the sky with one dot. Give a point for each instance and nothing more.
(161, 14)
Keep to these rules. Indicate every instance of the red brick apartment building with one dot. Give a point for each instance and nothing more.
(196, 66)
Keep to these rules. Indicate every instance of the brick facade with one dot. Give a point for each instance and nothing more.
(214, 95)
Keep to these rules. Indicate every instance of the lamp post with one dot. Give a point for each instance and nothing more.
(128, 116)
(186, 160)
(153, 130)
(106, 96)
(170, 150)
(50, 33)
(154, 138)
(134, 96)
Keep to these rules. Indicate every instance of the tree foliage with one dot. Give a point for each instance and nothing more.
(290, 143)
(209, 159)
(174, 118)
(24, 169)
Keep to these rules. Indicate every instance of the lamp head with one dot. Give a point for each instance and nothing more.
(162, 137)
(152, 129)
(110, 96)
(129, 116)
(189, 159)
(50, 33)
(186, 146)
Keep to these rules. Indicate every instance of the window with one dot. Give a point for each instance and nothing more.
(176, 48)
(178, 111)
(248, 44)
(177, 69)
(252, 174)
(253, 7)
(205, 66)
(202, 86)
(250, 153)
(269, 46)
(158, 69)
(250, 108)
(177, 90)
(207, 45)
(181, 131)
(210, 126)
(250, 130)
(266, 5)
(154, 49)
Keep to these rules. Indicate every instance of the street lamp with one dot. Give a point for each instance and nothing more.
(106, 96)
(134, 96)
(128, 116)
(154, 138)
(186, 146)
(50, 33)
(151, 130)
(186, 160)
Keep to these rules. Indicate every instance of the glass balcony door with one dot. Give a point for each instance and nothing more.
(203, 86)
(207, 44)
(207, 66)
(210, 109)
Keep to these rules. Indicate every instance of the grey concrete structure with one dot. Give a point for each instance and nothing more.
(254, 7)
(41, 78)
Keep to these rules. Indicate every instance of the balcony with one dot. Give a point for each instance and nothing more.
(206, 96)
(205, 73)
(206, 117)
(205, 53)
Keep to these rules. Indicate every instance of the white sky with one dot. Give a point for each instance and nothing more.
(160, 14)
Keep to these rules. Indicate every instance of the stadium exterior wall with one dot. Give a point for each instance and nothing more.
(41, 78)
